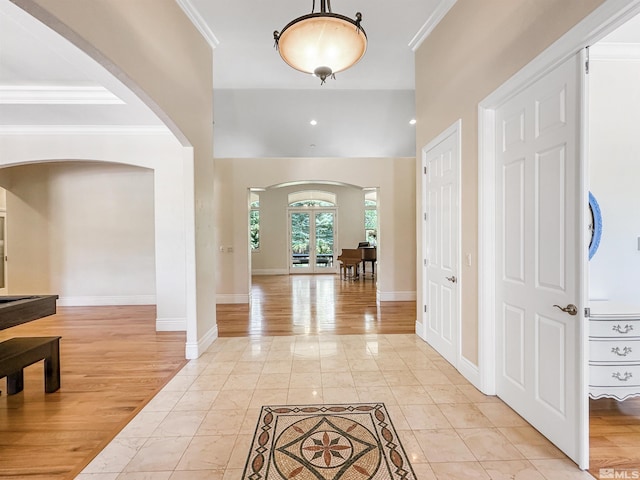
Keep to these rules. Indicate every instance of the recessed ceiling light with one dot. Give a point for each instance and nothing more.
(313, 122)
(412, 121)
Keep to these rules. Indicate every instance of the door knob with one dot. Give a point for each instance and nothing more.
(571, 309)
(452, 279)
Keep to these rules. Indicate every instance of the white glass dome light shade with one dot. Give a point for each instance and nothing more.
(322, 40)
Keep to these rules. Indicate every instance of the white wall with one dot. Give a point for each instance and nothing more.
(96, 232)
(161, 153)
(272, 256)
(614, 156)
(351, 123)
(395, 178)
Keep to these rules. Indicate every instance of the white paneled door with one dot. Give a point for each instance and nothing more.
(539, 292)
(441, 282)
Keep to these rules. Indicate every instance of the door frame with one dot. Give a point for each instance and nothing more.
(312, 239)
(5, 289)
(455, 130)
(603, 20)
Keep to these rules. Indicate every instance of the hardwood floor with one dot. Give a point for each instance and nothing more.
(614, 440)
(312, 305)
(113, 363)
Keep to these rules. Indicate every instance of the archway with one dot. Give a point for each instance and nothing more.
(121, 156)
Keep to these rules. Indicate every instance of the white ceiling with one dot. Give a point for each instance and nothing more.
(245, 57)
(46, 81)
(262, 107)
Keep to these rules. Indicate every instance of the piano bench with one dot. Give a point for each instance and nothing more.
(20, 352)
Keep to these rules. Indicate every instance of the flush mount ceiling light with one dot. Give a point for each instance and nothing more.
(322, 43)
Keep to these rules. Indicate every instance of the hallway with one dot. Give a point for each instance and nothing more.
(305, 339)
(201, 424)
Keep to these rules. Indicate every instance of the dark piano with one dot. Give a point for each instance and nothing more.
(351, 258)
(368, 254)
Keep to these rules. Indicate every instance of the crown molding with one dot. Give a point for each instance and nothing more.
(57, 95)
(615, 51)
(438, 14)
(84, 130)
(199, 22)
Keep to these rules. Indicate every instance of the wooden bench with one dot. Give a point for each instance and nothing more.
(20, 352)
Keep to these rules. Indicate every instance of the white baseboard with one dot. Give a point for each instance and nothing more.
(195, 349)
(178, 324)
(395, 296)
(469, 371)
(270, 271)
(420, 330)
(232, 298)
(97, 301)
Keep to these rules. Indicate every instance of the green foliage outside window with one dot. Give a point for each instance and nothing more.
(324, 232)
(300, 232)
(254, 229)
(311, 203)
(371, 225)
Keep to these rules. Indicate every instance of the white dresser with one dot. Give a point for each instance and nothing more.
(614, 350)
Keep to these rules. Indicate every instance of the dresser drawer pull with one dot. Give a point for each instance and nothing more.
(627, 328)
(625, 351)
(622, 378)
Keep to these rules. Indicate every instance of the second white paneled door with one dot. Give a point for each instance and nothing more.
(441, 236)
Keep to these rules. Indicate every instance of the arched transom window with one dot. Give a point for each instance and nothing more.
(312, 198)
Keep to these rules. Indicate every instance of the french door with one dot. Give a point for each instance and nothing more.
(312, 240)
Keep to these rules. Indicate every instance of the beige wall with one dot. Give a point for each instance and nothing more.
(395, 178)
(474, 50)
(83, 231)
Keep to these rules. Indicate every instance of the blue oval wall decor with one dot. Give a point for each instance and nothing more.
(596, 225)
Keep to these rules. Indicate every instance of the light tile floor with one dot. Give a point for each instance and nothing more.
(200, 426)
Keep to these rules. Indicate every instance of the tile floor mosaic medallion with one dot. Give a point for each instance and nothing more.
(326, 442)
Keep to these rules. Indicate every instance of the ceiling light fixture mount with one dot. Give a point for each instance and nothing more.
(322, 43)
